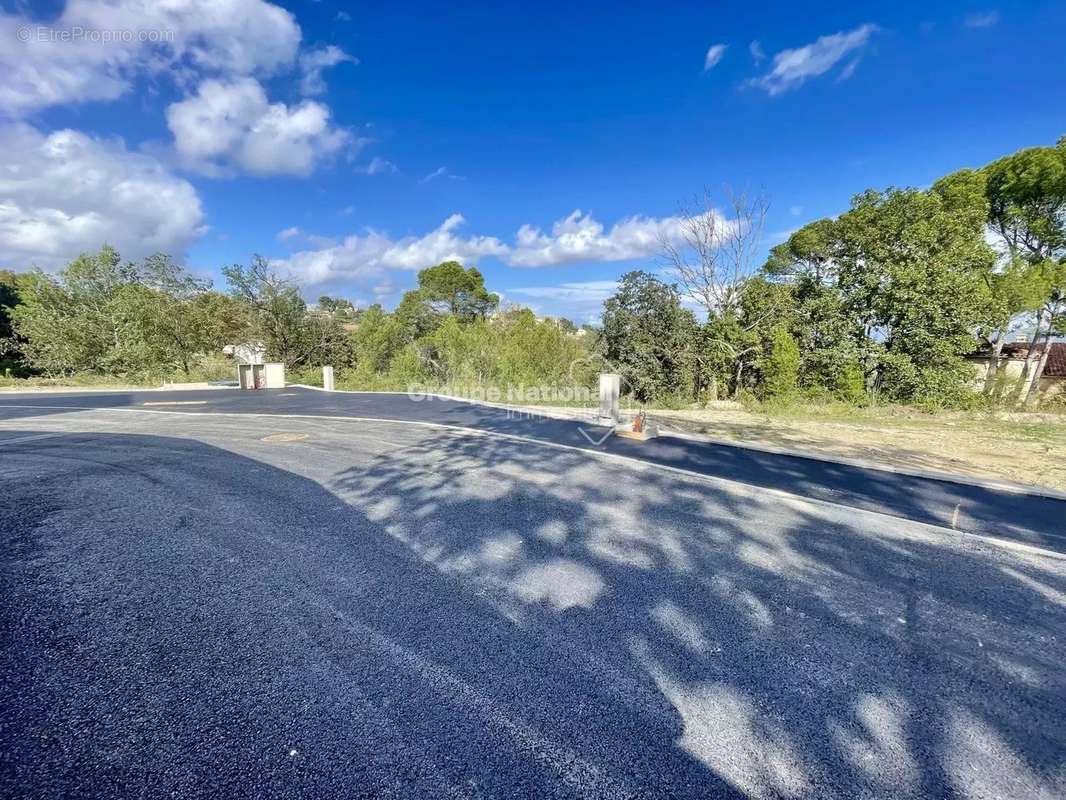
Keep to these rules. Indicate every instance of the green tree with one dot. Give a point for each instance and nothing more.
(911, 270)
(277, 312)
(84, 319)
(780, 368)
(1051, 322)
(11, 356)
(808, 253)
(377, 339)
(830, 340)
(1017, 289)
(1027, 207)
(749, 332)
(647, 335)
(181, 318)
(278, 317)
(849, 383)
(1027, 200)
(417, 317)
(451, 288)
(446, 289)
(9, 297)
(535, 352)
(713, 253)
(103, 315)
(463, 353)
(566, 325)
(829, 336)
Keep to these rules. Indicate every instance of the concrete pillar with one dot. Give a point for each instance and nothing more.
(610, 389)
(327, 378)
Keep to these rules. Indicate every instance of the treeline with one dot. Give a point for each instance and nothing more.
(882, 302)
(450, 332)
(151, 319)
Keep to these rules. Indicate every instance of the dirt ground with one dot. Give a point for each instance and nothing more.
(1025, 448)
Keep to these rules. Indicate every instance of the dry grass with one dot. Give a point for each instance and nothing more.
(1019, 447)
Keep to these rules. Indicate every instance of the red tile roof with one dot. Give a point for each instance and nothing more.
(1056, 361)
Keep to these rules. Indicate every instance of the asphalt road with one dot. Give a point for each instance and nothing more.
(1037, 520)
(231, 606)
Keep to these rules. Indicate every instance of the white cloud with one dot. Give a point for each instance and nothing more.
(714, 55)
(981, 19)
(579, 237)
(65, 193)
(849, 69)
(289, 233)
(371, 255)
(343, 16)
(377, 166)
(582, 291)
(441, 172)
(314, 62)
(231, 124)
(757, 53)
(213, 36)
(441, 245)
(792, 68)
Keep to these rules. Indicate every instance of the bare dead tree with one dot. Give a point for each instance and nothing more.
(713, 254)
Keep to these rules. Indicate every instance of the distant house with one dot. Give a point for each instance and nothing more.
(1012, 362)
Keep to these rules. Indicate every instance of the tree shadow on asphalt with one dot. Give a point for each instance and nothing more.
(802, 657)
(471, 616)
(1033, 519)
(181, 620)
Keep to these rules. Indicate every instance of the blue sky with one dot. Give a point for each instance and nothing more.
(353, 144)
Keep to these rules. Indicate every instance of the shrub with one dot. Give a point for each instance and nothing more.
(850, 385)
(780, 368)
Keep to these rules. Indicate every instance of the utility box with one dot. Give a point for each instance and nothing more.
(275, 376)
(261, 376)
(250, 376)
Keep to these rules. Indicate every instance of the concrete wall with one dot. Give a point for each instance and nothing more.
(1052, 387)
(1011, 370)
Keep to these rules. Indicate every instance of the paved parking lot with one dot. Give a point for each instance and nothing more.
(280, 606)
